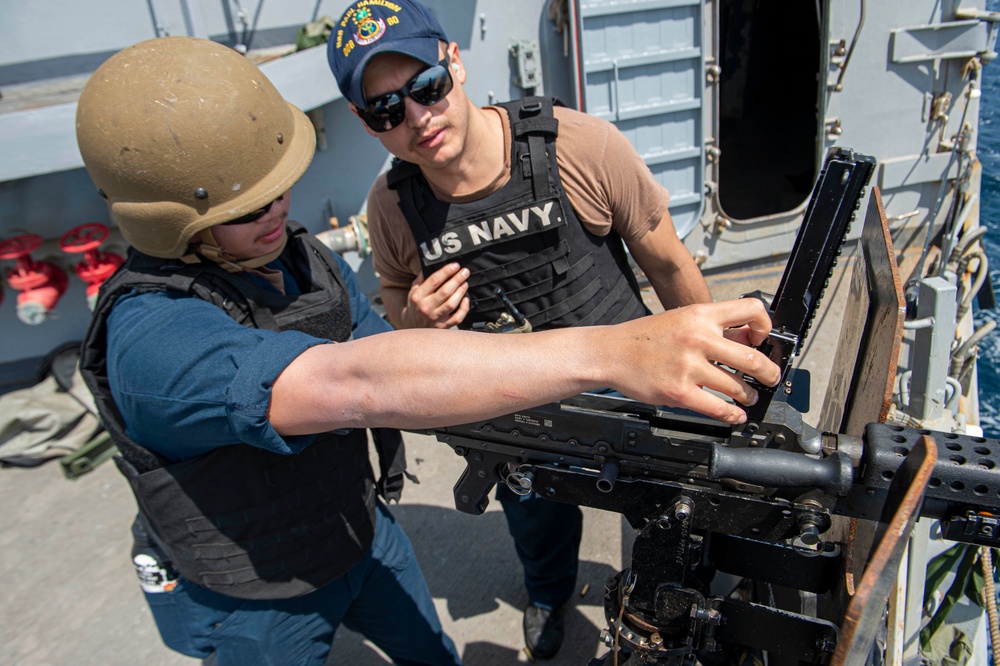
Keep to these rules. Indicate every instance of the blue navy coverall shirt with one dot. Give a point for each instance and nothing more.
(187, 379)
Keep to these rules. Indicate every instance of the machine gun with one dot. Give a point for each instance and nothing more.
(774, 502)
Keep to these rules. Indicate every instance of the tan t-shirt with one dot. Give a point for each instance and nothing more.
(607, 183)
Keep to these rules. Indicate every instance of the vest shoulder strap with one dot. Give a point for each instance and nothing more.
(399, 172)
(532, 116)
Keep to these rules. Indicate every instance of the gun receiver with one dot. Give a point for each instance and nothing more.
(614, 447)
(835, 200)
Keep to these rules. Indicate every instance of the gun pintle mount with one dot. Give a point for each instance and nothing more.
(767, 502)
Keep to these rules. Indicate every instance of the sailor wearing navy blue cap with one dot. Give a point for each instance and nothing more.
(369, 28)
(516, 217)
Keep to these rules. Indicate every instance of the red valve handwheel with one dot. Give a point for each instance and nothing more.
(19, 246)
(84, 238)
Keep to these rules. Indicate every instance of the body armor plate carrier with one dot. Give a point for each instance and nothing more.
(524, 239)
(240, 520)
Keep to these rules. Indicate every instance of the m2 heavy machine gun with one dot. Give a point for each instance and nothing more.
(813, 523)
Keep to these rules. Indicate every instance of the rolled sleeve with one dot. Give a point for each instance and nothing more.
(188, 379)
(249, 392)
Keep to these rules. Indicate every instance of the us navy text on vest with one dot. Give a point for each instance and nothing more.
(500, 228)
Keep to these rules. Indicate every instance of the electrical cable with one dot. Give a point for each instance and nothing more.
(966, 351)
(986, 560)
(982, 272)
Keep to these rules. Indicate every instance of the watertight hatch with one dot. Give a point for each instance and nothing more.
(640, 65)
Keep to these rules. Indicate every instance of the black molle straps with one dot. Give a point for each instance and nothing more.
(402, 177)
(536, 123)
(285, 524)
(555, 255)
(524, 238)
(531, 291)
(613, 305)
(545, 127)
(533, 115)
(283, 527)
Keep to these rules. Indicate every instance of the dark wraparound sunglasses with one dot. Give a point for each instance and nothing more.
(254, 216)
(427, 88)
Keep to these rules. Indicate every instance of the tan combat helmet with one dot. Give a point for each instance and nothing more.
(180, 134)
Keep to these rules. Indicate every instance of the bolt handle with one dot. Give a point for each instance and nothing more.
(84, 238)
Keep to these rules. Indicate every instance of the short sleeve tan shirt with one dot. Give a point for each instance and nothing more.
(607, 183)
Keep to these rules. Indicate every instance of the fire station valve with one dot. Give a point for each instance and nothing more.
(352, 238)
(96, 265)
(41, 284)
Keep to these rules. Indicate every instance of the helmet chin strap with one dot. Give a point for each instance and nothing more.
(204, 246)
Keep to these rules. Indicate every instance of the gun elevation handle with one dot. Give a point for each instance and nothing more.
(777, 468)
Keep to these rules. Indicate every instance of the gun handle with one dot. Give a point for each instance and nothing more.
(776, 468)
(478, 478)
(781, 349)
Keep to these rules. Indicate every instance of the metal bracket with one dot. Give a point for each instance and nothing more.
(528, 72)
(949, 39)
(992, 20)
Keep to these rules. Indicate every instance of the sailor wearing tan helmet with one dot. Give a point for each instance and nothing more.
(236, 364)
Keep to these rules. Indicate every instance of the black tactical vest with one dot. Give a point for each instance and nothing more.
(524, 239)
(240, 520)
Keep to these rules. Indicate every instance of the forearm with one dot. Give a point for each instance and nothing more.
(421, 378)
(679, 285)
(393, 300)
(401, 378)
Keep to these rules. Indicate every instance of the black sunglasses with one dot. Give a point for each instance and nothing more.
(427, 88)
(254, 216)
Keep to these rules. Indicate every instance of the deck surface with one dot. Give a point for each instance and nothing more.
(70, 596)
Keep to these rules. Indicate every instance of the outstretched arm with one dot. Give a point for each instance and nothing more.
(424, 378)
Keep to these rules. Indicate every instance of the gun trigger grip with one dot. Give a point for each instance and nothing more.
(477, 479)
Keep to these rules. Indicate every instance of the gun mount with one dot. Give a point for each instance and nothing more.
(697, 493)
(791, 511)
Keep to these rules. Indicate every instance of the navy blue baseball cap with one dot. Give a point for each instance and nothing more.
(369, 27)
